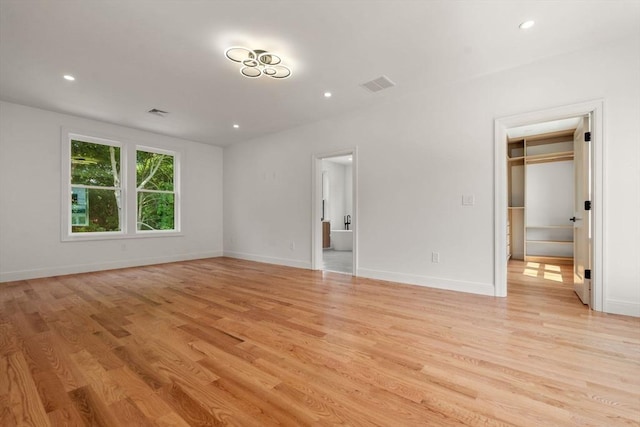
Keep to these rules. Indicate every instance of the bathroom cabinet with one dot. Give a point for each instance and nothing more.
(326, 234)
(540, 198)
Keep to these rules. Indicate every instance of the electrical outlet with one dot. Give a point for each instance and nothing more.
(435, 257)
(292, 246)
(468, 200)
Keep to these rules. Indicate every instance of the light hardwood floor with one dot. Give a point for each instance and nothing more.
(229, 342)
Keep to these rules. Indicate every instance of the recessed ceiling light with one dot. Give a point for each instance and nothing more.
(527, 24)
(327, 94)
(69, 77)
(236, 126)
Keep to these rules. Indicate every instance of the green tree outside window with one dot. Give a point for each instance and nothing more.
(95, 187)
(155, 191)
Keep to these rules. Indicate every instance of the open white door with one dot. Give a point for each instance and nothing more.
(582, 219)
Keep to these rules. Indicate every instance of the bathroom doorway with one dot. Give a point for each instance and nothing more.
(334, 219)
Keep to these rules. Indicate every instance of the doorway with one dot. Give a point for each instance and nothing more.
(334, 219)
(536, 151)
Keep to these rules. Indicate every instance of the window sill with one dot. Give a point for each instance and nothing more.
(88, 237)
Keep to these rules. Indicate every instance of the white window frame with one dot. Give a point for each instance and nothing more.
(128, 190)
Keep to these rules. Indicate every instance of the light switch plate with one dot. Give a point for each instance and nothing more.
(468, 200)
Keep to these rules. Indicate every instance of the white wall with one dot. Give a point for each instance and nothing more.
(549, 193)
(348, 193)
(418, 155)
(340, 193)
(336, 211)
(30, 199)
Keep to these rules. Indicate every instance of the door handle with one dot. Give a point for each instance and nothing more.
(574, 219)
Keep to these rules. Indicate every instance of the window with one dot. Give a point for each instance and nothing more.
(96, 196)
(155, 191)
(112, 189)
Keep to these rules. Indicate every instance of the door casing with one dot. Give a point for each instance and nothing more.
(596, 109)
(316, 205)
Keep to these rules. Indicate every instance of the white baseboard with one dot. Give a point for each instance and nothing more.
(626, 308)
(453, 285)
(431, 282)
(269, 260)
(11, 276)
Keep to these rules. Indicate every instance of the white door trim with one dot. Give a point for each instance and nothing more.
(316, 205)
(596, 108)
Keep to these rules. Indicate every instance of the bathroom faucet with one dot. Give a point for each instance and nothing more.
(347, 222)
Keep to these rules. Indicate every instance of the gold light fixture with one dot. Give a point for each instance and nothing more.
(256, 63)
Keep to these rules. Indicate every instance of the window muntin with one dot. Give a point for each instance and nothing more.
(96, 193)
(155, 191)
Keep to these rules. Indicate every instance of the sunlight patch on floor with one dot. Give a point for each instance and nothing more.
(556, 277)
(545, 271)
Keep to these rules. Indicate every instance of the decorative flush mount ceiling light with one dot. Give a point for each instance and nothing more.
(256, 63)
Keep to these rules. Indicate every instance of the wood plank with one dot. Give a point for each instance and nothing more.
(259, 402)
(550, 137)
(140, 366)
(550, 259)
(193, 412)
(50, 389)
(548, 158)
(171, 420)
(127, 413)
(21, 392)
(10, 339)
(150, 403)
(172, 365)
(91, 408)
(67, 416)
(106, 390)
(212, 335)
(111, 325)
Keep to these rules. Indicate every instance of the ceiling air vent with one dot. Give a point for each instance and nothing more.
(376, 85)
(158, 112)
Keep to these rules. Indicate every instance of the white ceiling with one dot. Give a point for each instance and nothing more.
(129, 56)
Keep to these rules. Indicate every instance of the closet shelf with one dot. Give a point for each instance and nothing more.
(549, 226)
(549, 157)
(549, 259)
(550, 241)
